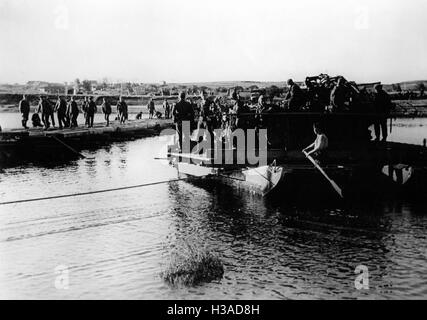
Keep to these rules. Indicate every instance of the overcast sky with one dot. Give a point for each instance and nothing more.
(221, 40)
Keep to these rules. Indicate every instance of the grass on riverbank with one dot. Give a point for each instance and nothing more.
(191, 266)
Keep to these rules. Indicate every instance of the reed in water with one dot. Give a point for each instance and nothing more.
(192, 265)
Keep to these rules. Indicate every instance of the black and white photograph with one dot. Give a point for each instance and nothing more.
(227, 150)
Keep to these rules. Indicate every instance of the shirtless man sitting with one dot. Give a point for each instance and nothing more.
(319, 145)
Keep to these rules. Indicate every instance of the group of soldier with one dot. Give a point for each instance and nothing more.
(324, 94)
(152, 113)
(67, 112)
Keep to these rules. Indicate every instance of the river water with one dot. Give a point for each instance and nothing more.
(114, 245)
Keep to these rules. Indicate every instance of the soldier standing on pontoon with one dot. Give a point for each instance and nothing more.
(44, 109)
(90, 112)
(383, 106)
(182, 111)
(122, 110)
(295, 96)
(61, 110)
(151, 109)
(24, 108)
(339, 96)
(85, 106)
(106, 109)
(73, 112)
(167, 108)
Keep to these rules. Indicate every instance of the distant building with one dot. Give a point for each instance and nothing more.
(52, 88)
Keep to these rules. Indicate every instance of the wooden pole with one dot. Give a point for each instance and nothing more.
(332, 182)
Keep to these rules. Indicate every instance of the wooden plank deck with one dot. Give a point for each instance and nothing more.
(98, 129)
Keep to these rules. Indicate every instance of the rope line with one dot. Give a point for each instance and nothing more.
(92, 192)
(223, 175)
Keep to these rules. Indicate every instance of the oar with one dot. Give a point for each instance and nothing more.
(332, 182)
(70, 148)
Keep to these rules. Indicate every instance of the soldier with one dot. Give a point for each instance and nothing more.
(24, 108)
(312, 102)
(90, 112)
(61, 110)
(35, 119)
(73, 112)
(106, 109)
(260, 109)
(206, 119)
(151, 109)
(167, 108)
(51, 112)
(182, 111)
(338, 96)
(44, 109)
(382, 108)
(85, 106)
(122, 110)
(295, 96)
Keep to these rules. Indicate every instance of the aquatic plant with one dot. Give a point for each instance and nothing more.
(192, 265)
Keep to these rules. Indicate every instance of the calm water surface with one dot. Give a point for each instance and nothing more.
(116, 244)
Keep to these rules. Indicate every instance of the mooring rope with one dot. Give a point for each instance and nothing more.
(69, 147)
(92, 192)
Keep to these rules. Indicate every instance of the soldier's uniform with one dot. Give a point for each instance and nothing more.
(90, 113)
(106, 109)
(295, 97)
(24, 108)
(122, 109)
(167, 108)
(73, 112)
(338, 98)
(382, 108)
(45, 109)
(85, 106)
(61, 110)
(151, 109)
(183, 111)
